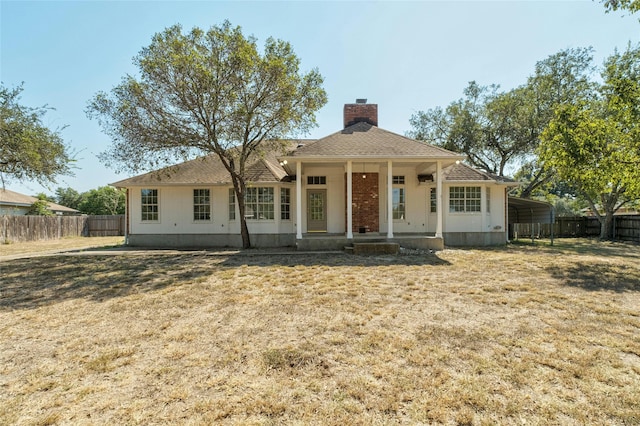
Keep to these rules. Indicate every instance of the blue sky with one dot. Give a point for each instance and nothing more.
(404, 56)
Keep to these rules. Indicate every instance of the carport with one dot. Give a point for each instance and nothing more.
(524, 210)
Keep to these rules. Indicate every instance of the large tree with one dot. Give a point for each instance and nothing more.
(594, 145)
(486, 125)
(208, 92)
(29, 150)
(499, 131)
(69, 197)
(105, 200)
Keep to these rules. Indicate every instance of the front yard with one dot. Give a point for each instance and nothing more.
(517, 335)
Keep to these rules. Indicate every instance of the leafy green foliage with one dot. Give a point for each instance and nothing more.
(594, 144)
(499, 131)
(105, 200)
(632, 6)
(69, 197)
(40, 207)
(28, 149)
(207, 92)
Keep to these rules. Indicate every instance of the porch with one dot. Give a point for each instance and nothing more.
(313, 242)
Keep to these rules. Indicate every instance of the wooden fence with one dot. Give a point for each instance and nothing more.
(625, 228)
(36, 228)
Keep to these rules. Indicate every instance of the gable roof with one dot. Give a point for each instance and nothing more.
(209, 170)
(363, 140)
(16, 199)
(462, 172)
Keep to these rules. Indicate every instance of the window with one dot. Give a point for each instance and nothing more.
(285, 203)
(232, 204)
(259, 203)
(398, 203)
(464, 199)
(149, 204)
(316, 180)
(433, 200)
(488, 195)
(201, 205)
(398, 198)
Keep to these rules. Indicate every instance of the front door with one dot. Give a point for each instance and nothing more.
(317, 210)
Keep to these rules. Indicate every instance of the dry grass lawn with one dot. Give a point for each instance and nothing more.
(517, 335)
(62, 244)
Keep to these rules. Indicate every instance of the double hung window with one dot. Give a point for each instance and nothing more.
(149, 205)
(464, 199)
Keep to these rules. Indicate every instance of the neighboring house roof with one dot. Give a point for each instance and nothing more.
(209, 170)
(363, 140)
(462, 172)
(15, 199)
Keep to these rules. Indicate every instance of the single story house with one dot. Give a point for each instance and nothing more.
(361, 182)
(16, 204)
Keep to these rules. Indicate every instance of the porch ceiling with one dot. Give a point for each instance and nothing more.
(421, 166)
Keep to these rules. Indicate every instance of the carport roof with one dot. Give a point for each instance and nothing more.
(524, 210)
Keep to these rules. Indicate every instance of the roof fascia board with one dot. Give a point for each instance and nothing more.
(344, 159)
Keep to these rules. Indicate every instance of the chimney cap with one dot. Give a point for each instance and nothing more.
(361, 101)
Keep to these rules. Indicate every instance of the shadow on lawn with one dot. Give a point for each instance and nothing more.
(40, 281)
(598, 276)
(30, 283)
(588, 246)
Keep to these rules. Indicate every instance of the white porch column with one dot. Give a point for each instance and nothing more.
(299, 200)
(349, 200)
(439, 204)
(390, 199)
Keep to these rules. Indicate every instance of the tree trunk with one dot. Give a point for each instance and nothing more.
(244, 230)
(238, 188)
(606, 226)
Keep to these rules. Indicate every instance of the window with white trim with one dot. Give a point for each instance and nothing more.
(316, 180)
(488, 196)
(232, 204)
(201, 205)
(285, 203)
(399, 198)
(259, 203)
(149, 205)
(433, 202)
(464, 199)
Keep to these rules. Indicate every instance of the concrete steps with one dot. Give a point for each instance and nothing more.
(373, 248)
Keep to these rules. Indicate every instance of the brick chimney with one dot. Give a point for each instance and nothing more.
(360, 111)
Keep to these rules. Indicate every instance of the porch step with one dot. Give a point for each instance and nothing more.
(374, 248)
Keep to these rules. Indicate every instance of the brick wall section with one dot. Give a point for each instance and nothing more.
(366, 206)
(354, 113)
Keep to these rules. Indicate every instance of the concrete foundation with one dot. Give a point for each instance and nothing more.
(209, 240)
(474, 239)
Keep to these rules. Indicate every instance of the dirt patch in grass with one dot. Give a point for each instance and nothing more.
(524, 334)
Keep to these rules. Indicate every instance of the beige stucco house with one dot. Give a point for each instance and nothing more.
(359, 183)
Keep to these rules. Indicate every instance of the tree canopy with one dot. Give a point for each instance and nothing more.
(207, 92)
(632, 6)
(499, 131)
(594, 145)
(105, 200)
(29, 150)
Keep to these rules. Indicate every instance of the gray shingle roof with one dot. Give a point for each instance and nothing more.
(209, 170)
(463, 172)
(365, 140)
